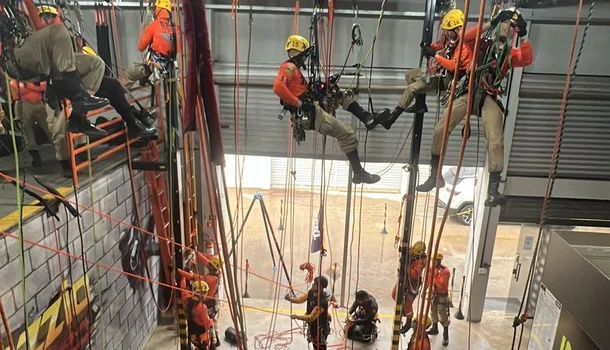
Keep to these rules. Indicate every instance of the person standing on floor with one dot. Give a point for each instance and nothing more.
(440, 298)
(316, 316)
(415, 270)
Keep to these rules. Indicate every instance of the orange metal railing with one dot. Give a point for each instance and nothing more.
(74, 151)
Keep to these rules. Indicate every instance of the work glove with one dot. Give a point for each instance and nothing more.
(522, 26)
(428, 51)
(307, 106)
(501, 17)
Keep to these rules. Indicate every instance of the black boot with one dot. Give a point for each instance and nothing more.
(433, 330)
(70, 87)
(66, 169)
(413, 109)
(370, 120)
(406, 327)
(360, 175)
(36, 160)
(430, 184)
(136, 128)
(146, 117)
(446, 336)
(78, 123)
(392, 118)
(494, 198)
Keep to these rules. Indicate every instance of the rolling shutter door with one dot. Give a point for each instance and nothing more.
(268, 136)
(585, 150)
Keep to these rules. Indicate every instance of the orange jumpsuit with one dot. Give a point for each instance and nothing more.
(440, 299)
(199, 322)
(416, 268)
(290, 83)
(159, 35)
(450, 63)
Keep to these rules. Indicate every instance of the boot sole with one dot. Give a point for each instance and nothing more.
(496, 203)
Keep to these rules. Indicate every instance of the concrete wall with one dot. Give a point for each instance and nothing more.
(128, 313)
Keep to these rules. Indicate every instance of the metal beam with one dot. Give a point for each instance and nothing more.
(564, 188)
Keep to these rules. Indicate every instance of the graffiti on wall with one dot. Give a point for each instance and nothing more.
(68, 323)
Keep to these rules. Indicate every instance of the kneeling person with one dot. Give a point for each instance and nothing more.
(364, 316)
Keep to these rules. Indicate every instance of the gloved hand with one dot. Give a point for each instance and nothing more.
(501, 17)
(428, 51)
(307, 106)
(522, 26)
(293, 317)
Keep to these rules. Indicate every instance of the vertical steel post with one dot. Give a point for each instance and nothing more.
(418, 123)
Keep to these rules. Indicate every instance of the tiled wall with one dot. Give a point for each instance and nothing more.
(128, 314)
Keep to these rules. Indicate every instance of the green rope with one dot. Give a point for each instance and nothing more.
(19, 207)
(95, 256)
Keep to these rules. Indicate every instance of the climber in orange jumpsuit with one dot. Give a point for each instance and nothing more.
(440, 298)
(213, 265)
(159, 39)
(199, 322)
(416, 267)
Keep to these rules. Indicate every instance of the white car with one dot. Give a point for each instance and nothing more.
(463, 197)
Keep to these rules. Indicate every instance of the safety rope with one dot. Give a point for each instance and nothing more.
(95, 240)
(81, 238)
(433, 245)
(567, 91)
(19, 199)
(7, 328)
(115, 38)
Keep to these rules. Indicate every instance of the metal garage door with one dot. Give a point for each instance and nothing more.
(585, 151)
(268, 136)
(336, 174)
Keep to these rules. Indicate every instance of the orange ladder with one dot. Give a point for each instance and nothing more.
(155, 181)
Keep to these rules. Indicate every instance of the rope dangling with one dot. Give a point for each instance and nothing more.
(310, 268)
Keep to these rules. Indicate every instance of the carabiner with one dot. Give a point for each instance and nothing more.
(357, 35)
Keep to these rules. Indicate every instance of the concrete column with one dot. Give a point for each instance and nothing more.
(480, 250)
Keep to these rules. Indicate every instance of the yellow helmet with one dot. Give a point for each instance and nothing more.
(438, 256)
(89, 51)
(418, 248)
(427, 324)
(200, 287)
(297, 42)
(515, 17)
(164, 4)
(453, 19)
(215, 262)
(47, 9)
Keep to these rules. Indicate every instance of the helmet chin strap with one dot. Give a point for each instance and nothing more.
(300, 59)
